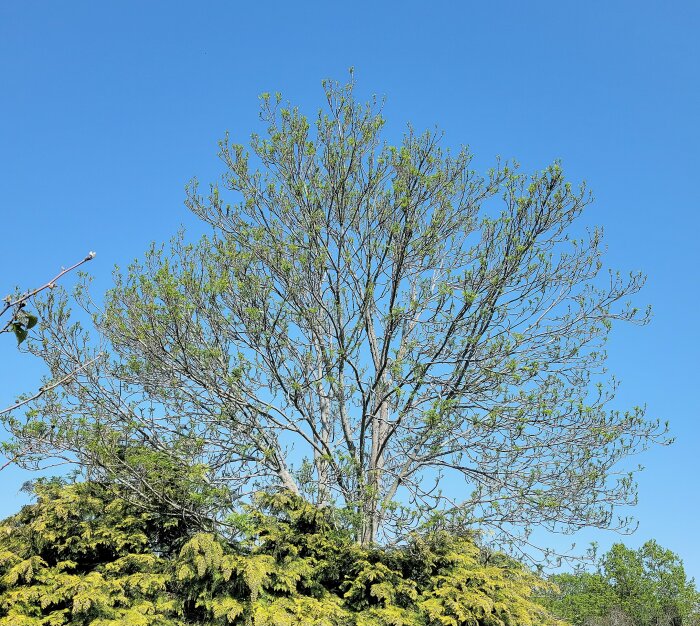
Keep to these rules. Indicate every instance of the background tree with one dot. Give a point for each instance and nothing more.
(643, 587)
(371, 326)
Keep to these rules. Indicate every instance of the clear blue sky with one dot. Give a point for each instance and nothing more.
(108, 108)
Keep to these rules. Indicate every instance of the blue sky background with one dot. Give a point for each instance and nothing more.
(108, 108)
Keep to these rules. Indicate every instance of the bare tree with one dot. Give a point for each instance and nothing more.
(374, 327)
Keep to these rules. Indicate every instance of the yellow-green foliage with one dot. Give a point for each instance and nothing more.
(81, 556)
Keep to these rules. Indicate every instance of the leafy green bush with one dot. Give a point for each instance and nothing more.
(83, 556)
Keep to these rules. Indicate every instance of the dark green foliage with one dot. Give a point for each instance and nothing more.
(83, 556)
(644, 587)
(20, 322)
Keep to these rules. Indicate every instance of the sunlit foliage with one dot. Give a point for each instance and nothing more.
(83, 556)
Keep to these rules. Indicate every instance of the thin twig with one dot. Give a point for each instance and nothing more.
(9, 304)
(9, 462)
(53, 385)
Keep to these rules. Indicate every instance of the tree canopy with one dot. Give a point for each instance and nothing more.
(643, 587)
(373, 327)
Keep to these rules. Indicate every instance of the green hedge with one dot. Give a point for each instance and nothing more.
(83, 556)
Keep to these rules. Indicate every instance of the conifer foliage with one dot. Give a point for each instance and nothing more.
(81, 555)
